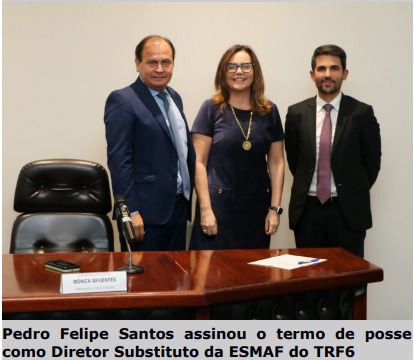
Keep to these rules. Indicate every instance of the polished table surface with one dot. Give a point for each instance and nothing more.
(179, 278)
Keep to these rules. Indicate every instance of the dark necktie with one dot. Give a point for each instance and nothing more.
(179, 145)
(323, 189)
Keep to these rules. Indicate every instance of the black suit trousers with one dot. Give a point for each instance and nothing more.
(323, 225)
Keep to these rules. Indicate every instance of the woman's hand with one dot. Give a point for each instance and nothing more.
(272, 222)
(208, 222)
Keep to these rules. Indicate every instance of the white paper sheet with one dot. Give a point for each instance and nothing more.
(288, 261)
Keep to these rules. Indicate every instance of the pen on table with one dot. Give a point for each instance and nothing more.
(308, 262)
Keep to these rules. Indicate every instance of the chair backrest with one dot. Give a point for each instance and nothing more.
(64, 205)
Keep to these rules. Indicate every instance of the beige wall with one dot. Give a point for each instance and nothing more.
(61, 60)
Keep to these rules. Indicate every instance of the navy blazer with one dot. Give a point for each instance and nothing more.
(355, 159)
(142, 158)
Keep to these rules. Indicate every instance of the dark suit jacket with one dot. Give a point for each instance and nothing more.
(355, 160)
(142, 158)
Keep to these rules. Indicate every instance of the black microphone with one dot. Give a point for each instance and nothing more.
(124, 217)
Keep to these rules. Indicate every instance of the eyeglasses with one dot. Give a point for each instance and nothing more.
(233, 67)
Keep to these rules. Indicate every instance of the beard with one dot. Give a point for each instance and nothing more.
(333, 88)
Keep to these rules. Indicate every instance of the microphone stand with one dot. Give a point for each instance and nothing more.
(130, 268)
(125, 224)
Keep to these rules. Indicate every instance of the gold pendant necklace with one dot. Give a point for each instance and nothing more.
(247, 145)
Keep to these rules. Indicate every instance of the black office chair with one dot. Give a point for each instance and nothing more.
(64, 205)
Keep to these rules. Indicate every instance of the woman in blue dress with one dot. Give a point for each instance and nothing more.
(238, 138)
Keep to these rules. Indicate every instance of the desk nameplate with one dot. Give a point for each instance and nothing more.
(93, 282)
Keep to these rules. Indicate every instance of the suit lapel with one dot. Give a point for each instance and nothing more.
(311, 123)
(148, 100)
(341, 122)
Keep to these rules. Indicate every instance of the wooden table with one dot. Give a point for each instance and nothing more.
(198, 280)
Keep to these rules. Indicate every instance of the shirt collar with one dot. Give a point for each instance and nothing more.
(156, 92)
(335, 102)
